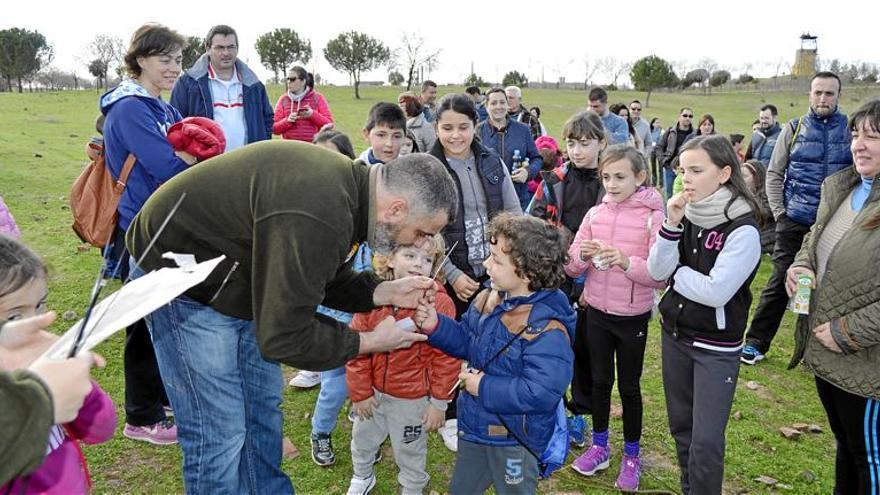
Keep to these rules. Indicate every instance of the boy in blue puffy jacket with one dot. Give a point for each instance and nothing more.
(516, 339)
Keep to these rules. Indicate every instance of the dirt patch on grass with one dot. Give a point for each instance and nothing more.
(658, 462)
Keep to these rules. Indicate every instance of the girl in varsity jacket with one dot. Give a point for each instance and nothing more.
(708, 249)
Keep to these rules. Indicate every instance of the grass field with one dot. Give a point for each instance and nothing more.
(42, 138)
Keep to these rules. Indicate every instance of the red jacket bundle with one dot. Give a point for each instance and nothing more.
(199, 136)
(412, 373)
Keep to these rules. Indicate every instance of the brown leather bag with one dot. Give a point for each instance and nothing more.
(95, 196)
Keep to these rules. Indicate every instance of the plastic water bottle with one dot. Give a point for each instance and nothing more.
(516, 160)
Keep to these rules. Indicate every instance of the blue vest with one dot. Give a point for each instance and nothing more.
(820, 149)
(762, 146)
(490, 169)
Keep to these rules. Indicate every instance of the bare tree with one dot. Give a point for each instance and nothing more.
(834, 66)
(777, 65)
(863, 71)
(590, 69)
(621, 69)
(414, 54)
(50, 78)
(69, 80)
(681, 68)
(106, 49)
(607, 65)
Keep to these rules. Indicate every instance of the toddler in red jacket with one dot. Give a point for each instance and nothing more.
(401, 394)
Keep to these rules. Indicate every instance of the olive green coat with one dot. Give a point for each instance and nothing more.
(26, 416)
(849, 295)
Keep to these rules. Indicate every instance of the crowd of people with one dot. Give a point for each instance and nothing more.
(466, 274)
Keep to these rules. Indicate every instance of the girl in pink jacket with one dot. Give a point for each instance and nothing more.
(612, 246)
(302, 111)
(24, 291)
(64, 470)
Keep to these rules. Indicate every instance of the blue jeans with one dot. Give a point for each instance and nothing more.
(668, 181)
(333, 393)
(334, 390)
(226, 399)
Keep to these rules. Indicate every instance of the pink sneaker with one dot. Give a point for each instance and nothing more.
(593, 460)
(630, 472)
(162, 433)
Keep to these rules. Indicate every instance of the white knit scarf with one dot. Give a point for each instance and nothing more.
(709, 211)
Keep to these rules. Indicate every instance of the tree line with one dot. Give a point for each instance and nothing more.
(26, 57)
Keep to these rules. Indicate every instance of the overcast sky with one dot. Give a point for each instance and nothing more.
(548, 41)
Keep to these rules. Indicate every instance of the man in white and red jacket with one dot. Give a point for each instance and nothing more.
(222, 88)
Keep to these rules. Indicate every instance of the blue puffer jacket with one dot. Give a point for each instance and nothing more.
(191, 95)
(763, 143)
(820, 149)
(516, 136)
(524, 383)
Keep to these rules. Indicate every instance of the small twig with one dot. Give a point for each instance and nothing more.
(440, 266)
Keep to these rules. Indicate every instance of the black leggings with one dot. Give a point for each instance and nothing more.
(623, 336)
(582, 379)
(144, 392)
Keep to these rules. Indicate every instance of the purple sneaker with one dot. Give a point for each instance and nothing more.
(593, 460)
(162, 433)
(630, 472)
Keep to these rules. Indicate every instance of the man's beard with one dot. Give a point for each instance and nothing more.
(385, 238)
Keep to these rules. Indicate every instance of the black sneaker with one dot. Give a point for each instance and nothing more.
(322, 449)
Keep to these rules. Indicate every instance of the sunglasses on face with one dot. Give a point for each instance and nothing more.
(635, 109)
(293, 79)
(687, 115)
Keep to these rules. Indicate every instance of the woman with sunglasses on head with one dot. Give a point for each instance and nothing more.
(301, 112)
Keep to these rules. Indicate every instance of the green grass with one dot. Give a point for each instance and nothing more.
(42, 139)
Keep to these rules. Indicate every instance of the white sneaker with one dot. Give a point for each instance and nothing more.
(306, 379)
(449, 433)
(361, 486)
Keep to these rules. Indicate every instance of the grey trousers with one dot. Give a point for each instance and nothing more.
(512, 470)
(699, 385)
(400, 419)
